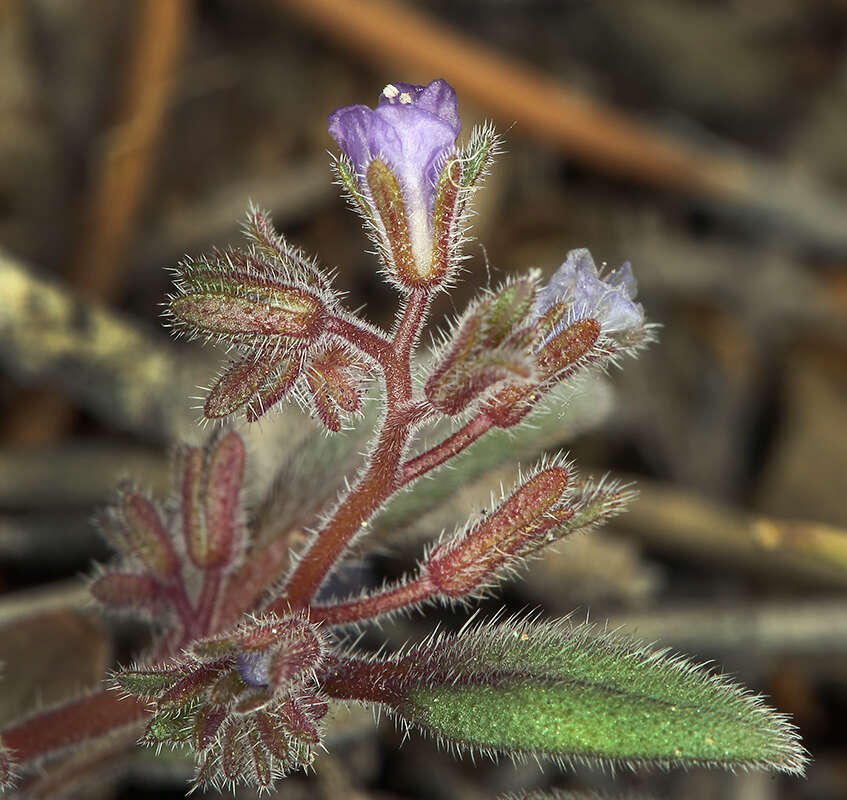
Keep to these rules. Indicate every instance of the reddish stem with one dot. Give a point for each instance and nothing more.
(415, 467)
(389, 600)
(83, 769)
(182, 605)
(378, 483)
(367, 341)
(380, 480)
(366, 681)
(409, 328)
(208, 600)
(71, 724)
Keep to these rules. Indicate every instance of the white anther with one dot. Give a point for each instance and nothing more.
(391, 91)
(406, 98)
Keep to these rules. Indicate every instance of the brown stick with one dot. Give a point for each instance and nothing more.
(670, 519)
(388, 32)
(130, 147)
(122, 175)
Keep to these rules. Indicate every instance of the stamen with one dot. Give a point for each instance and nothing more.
(391, 91)
(406, 98)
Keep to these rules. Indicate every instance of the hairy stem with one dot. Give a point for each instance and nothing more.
(71, 724)
(415, 467)
(392, 599)
(208, 600)
(179, 597)
(367, 341)
(89, 766)
(366, 681)
(380, 480)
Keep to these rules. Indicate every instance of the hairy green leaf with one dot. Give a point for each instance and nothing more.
(572, 693)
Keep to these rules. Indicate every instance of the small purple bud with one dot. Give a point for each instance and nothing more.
(254, 667)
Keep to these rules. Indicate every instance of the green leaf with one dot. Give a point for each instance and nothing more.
(173, 726)
(569, 692)
(149, 682)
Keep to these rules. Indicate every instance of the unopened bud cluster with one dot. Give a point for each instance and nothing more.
(525, 338)
(205, 522)
(543, 509)
(270, 304)
(246, 702)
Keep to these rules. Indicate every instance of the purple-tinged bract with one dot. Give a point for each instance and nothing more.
(610, 299)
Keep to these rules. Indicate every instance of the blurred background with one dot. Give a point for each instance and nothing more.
(703, 140)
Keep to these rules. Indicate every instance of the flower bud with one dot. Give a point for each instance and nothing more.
(196, 683)
(403, 177)
(125, 590)
(224, 478)
(298, 653)
(227, 688)
(211, 504)
(242, 380)
(333, 380)
(206, 726)
(244, 300)
(488, 346)
(252, 700)
(567, 347)
(276, 387)
(559, 355)
(272, 736)
(146, 535)
(300, 717)
(473, 559)
(232, 750)
(260, 314)
(260, 759)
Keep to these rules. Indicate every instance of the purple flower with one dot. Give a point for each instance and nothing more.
(609, 299)
(412, 130)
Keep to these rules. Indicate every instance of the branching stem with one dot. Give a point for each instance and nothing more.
(371, 343)
(380, 479)
(454, 444)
